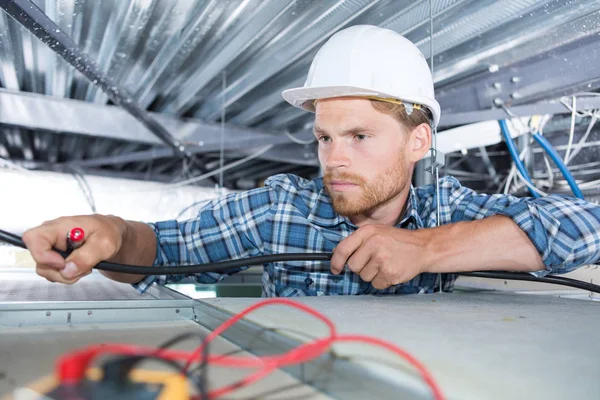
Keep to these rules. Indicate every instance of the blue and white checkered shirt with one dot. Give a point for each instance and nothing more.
(292, 214)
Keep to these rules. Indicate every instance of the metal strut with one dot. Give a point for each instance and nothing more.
(39, 24)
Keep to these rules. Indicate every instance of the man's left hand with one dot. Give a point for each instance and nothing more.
(383, 255)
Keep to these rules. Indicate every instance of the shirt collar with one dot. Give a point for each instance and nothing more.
(412, 211)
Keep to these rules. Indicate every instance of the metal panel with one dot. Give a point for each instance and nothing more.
(315, 26)
(32, 18)
(29, 363)
(173, 57)
(334, 376)
(27, 299)
(454, 119)
(77, 117)
(473, 343)
(249, 29)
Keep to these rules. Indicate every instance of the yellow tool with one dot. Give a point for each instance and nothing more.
(142, 384)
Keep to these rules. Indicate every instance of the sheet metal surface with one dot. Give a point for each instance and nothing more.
(478, 345)
(32, 352)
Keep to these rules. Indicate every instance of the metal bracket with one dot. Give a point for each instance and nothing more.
(435, 160)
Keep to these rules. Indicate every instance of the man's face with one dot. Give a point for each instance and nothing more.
(362, 152)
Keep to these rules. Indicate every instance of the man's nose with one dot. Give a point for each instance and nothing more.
(337, 156)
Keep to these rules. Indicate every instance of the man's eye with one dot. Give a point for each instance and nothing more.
(360, 137)
(324, 139)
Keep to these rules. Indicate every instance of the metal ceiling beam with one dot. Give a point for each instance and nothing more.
(63, 116)
(562, 71)
(283, 118)
(265, 104)
(554, 107)
(33, 19)
(483, 40)
(291, 153)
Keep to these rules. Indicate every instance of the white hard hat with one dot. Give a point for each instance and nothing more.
(368, 61)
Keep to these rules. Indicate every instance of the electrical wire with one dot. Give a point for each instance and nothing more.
(299, 141)
(310, 350)
(549, 149)
(516, 276)
(85, 187)
(434, 150)
(579, 146)
(226, 266)
(223, 113)
(543, 142)
(529, 185)
(303, 381)
(316, 378)
(128, 363)
(572, 130)
(72, 367)
(515, 155)
(540, 129)
(512, 172)
(216, 171)
(190, 206)
(9, 164)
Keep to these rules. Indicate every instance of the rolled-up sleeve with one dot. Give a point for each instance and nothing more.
(564, 230)
(231, 227)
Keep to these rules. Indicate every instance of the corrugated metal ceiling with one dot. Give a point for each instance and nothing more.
(195, 58)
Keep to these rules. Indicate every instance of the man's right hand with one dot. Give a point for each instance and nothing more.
(103, 239)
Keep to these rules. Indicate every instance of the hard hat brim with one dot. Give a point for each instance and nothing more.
(304, 97)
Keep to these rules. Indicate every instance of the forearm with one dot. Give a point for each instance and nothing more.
(138, 248)
(493, 243)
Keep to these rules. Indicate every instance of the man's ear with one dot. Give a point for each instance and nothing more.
(419, 142)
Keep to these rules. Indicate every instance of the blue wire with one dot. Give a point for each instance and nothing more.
(559, 163)
(515, 156)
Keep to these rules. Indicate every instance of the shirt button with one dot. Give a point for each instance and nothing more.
(308, 281)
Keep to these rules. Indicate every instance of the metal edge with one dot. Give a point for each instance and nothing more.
(343, 379)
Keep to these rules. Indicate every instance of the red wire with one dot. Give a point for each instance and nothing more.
(231, 321)
(308, 351)
(427, 377)
(73, 365)
(247, 381)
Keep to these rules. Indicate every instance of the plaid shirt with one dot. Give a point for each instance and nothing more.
(291, 214)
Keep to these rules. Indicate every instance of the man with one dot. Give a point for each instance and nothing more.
(372, 94)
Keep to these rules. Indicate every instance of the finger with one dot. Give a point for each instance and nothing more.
(379, 282)
(359, 259)
(54, 275)
(344, 250)
(40, 243)
(369, 272)
(86, 257)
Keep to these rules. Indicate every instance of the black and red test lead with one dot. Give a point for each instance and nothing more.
(75, 239)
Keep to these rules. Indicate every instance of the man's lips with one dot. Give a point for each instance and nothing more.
(342, 185)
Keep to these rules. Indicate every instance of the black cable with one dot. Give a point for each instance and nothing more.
(126, 364)
(517, 276)
(317, 376)
(11, 238)
(225, 266)
(218, 267)
(118, 369)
